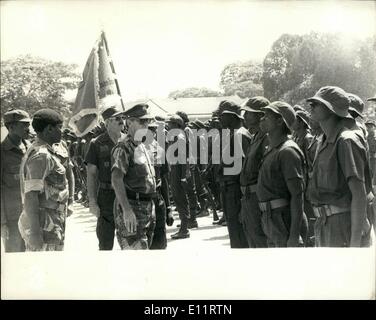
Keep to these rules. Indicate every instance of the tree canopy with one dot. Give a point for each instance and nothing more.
(31, 83)
(242, 78)
(194, 92)
(297, 66)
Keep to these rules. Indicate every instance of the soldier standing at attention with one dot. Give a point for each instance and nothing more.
(44, 187)
(178, 179)
(280, 185)
(158, 157)
(190, 186)
(13, 148)
(100, 192)
(251, 214)
(304, 138)
(337, 187)
(133, 180)
(235, 147)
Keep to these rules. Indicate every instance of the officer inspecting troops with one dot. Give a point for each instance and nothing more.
(13, 148)
(133, 179)
(337, 188)
(280, 185)
(250, 212)
(100, 192)
(44, 187)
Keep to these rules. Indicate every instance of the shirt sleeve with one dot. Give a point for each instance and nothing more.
(120, 159)
(291, 164)
(37, 167)
(352, 158)
(91, 155)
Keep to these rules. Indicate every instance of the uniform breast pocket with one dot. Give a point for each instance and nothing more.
(11, 175)
(327, 177)
(141, 170)
(57, 176)
(11, 180)
(104, 158)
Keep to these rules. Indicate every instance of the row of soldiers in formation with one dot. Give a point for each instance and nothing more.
(305, 179)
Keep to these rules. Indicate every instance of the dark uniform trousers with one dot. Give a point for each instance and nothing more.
(202, 193)
(251, 218)
(190, 188)
(105, 224)
(335, 231)
(159, 240)
(14, 243)
(231, 195)
(179, 195)
(276, 225)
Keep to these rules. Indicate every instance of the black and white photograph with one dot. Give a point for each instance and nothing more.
(188, 150)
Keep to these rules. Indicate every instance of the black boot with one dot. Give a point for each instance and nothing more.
(183, 231)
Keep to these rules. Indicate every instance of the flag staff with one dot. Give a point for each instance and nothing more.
(103, 36)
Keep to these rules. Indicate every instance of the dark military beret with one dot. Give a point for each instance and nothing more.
(255, 104)
(48, 115)
(16, 115)
(139, 111)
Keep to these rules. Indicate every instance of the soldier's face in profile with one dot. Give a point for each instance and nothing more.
(225, 120)
(55, 132)
(319, 112)
(115, 124)
(251, 119)
(269, 121)
(21, 129)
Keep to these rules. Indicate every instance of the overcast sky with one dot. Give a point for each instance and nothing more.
(160, 46)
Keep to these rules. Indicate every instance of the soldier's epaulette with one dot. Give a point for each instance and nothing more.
(98, 138)
(38, 151)
(125, 144)
(354, 136)
(293, 145)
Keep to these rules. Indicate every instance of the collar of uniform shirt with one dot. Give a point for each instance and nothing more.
(258, 136)
(129, 137)
(41, 142)
(277, 142)
(8, 144)
(335, 130)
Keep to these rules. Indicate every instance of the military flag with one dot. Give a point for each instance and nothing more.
(98, 90)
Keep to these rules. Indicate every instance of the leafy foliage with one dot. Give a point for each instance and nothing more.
(243, 79)
(194, 93)
(31, 83)
(297, 66)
